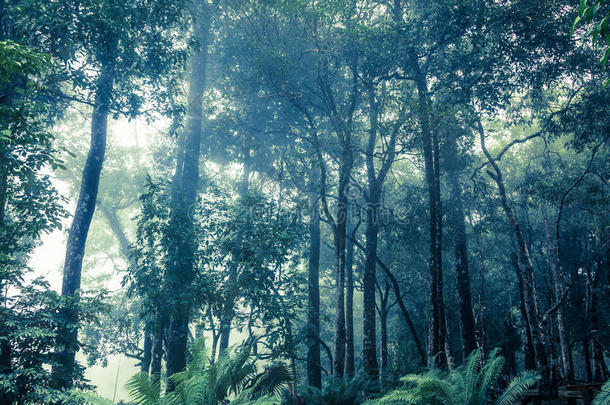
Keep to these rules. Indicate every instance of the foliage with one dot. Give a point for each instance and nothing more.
(473, 383)
(204, 382)
(599, 29)
(83, 397)
(31, 326)
(603, 397)
(336, 391)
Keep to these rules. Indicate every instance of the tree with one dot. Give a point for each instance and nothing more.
(180, 258)
(113, 36)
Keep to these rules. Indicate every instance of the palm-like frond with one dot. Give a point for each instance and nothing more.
(468, 385)
(488, 377)
(603, 398)
(203, 383)
(429, 388)
(270, 381)
(144, 390)
(473, 366)
(233, 371)
(517, 387)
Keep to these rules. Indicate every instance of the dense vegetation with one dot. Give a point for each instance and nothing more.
(297, 201)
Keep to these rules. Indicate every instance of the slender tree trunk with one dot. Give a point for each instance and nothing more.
(314, 372)
(587, 358)
(462, 273)
(349, 295)
(527, 271)
(600, 369)
(384, 309)
(528, 341)
(401, 304)
(67, 344)
(567, 364)
(117, 229)
(340, 238)
(482, 298)
(373, 209)
(180, 263)
(228, 312)
(430, 151)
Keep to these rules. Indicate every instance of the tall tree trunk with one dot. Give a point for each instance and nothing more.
(228, 310)
(67, 344)
(373, 202)
(567, 364)
(600, 369)
(384, 309)
(462, 273)
(147, 355)
(115, 225)
(156, 353)
(401, 304)
(528, 341)
(349, 295)
(340, 237)
(527, 272)
(180, 261)
(314, 372)
(430, 152)
(369, 345)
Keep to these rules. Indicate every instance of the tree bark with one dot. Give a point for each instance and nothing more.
(403, 308)
(567, 363)
(314, 372)
(147, 356)
(431, 166)
(349, 294)
(384, 309)
(180, 261)
(340, 236)
(462, 273)
(228, 310)
(67, 343)
(115, 225)
(373, 209)
(527, 270)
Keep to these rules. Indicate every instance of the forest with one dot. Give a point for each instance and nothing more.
(304, 202)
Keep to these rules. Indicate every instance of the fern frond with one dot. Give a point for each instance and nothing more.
(144, 390)
(90, 397)
(271, 381)
(473, 366)
(517, 387)
(489, 376)
(603, 398)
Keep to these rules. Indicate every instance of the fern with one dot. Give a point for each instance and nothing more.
(603, 398)
(489, 377)
(203, 383)
(144, 390)
(468, 385)
(89, 398)
(473, 366)
(517, 387)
